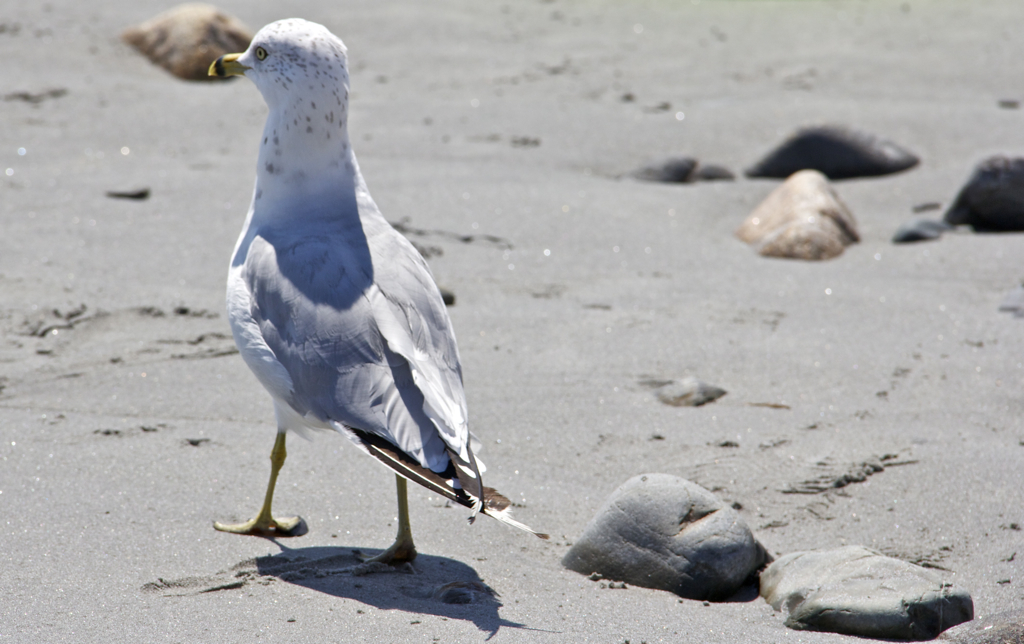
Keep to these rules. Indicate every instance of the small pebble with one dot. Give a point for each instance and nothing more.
(688, 392)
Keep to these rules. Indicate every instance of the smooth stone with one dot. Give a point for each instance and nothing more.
(992, 200)
(689, 392)
(683, 170)
(920, 230)
(836, 151)
(187, 38)
(1006, 627)
(801, 219)
(857, 591)
(661, 531)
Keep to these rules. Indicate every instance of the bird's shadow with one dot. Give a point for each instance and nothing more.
(429, 586)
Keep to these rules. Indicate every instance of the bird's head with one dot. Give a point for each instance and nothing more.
(294, 61)
(300, 69)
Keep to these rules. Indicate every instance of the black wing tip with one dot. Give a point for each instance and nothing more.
(493, 503)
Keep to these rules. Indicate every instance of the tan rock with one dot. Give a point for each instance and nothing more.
(810, 237)
(801, 219)
(184, 40)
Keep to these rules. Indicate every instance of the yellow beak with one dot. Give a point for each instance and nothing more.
(227, 65)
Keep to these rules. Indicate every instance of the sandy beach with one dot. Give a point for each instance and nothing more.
(501, 136)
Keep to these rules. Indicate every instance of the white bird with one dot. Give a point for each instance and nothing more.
(335, 312)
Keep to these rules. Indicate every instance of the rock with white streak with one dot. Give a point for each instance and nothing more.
(662, 531)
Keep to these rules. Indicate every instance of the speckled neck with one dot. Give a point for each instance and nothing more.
(301, 161)
(306, 159)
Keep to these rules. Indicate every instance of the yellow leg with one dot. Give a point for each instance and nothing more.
(402, 550)
(265, 523)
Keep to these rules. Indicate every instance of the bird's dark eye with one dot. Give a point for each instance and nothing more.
(261, 53)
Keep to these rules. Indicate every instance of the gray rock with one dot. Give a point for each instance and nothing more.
(683, 170)
(185, 39)
(920, 230)
(1002, 628)
(674, 170)
(993, 198)
(661, 531)
(801, 219)
(836, 151)
(857, 591)
(1014, 302)
(688, 392)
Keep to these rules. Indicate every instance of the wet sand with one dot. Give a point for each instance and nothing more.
(132, 425)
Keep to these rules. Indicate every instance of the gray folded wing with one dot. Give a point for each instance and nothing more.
(356, 326)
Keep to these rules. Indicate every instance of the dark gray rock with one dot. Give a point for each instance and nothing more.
(837, 152)
(857, 591)
(993, 198)
(683, 170)
(920, 230)
(688, 392)
(661, 531)
(1002, 628)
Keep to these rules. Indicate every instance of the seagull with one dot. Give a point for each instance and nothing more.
(334, 311)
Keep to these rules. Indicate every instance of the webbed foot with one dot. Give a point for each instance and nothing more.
(266, 527)
(401, 551)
